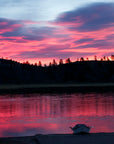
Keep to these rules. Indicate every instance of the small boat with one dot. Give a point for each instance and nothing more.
(80, 129)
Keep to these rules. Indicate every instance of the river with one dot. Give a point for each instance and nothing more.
(30, 114)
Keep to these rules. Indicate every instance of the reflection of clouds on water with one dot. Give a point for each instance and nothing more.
(35, 113)
(57, 106)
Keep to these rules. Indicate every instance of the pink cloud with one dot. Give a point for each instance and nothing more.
(81, 32)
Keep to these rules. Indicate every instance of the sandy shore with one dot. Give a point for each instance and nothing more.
(93, 138)
(29, 88)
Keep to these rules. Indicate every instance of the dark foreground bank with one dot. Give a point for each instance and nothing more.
(93, 138)
(68, 87)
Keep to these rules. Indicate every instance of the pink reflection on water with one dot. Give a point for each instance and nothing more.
(34, 113)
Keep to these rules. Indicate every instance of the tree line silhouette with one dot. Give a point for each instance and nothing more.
(68, 60)
(80, 71)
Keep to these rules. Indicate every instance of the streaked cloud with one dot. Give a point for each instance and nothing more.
(84, 31)
(90, 18)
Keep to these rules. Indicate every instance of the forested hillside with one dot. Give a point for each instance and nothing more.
(12, 72)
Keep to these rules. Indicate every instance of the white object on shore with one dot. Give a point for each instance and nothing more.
(80, 128)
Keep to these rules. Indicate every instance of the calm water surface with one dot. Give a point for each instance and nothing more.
(30, 114)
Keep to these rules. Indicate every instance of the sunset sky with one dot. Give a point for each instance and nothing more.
(44, 30)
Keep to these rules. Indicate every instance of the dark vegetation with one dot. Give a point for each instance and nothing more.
(12, 72)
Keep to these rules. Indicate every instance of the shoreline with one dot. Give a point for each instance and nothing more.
(44, 88)
(96, 138)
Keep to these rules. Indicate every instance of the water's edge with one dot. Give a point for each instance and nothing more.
(44, 88)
